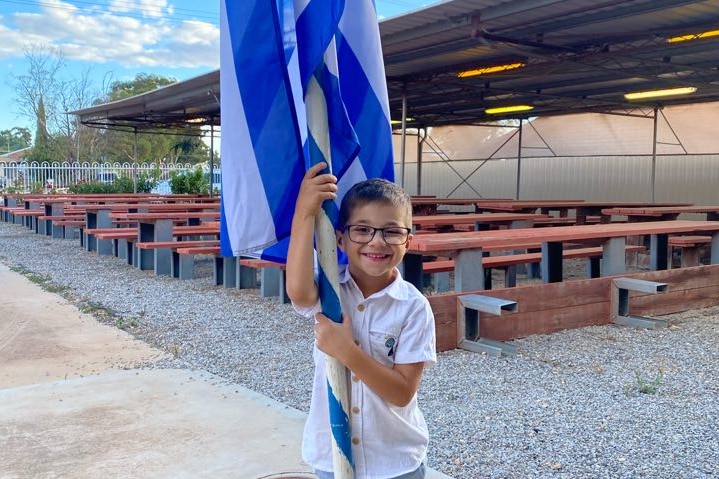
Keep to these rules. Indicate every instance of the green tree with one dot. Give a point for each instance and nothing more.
(142, 83)
(152, 147)
(16, 138)
(42, 151)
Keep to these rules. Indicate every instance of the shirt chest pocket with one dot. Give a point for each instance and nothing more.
(384, 345)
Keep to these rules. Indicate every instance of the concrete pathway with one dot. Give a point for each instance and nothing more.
(75, 403)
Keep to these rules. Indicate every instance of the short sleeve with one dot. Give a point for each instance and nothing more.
(417, 341)
(308, 311)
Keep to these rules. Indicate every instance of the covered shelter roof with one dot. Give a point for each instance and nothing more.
(566, 56)
(191, 102)
(570, 55)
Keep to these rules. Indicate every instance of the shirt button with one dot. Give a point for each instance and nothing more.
(355, 378)
(360, 308)
(355, 410)
(355, 441)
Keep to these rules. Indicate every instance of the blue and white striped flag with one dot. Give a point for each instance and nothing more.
(270, 51)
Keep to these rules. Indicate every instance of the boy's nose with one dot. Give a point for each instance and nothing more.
(377, 238)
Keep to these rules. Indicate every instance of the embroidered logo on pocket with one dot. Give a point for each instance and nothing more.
(389, 344)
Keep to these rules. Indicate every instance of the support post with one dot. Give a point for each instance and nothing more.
(519, 159)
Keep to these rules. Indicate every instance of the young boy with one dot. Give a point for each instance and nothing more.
(387, 334)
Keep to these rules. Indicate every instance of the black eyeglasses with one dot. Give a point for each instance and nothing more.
(393, 235)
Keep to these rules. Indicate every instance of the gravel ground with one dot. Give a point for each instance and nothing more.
(598, 402)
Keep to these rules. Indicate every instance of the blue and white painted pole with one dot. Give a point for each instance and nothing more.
(317, 125)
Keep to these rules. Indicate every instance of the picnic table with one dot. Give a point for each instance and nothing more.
(158, 227)
(582, 209)
(427, 205)
(654, 213)
(480, 220)
(467, 247)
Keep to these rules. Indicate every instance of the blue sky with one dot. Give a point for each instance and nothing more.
(116, 39)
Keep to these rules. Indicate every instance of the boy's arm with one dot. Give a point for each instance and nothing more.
(316, 188)
(396, 385)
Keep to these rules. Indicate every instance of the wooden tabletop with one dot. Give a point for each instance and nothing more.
(444, 243)
(446, 201)
(471, 218)
(659, 210)
(152, 207)
(180, 215)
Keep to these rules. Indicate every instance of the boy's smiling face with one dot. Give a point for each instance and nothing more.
(372, 264)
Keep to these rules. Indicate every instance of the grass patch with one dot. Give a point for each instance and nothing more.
(44, 281)
(642, 385)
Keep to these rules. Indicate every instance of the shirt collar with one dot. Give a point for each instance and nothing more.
(397, 289)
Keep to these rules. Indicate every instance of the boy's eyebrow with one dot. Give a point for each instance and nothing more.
(386, 225)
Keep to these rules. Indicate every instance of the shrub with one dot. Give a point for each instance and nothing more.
(189, 182)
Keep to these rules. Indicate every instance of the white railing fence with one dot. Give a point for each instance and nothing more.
(27, 177)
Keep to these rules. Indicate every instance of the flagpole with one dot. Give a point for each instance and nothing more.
(337, 388)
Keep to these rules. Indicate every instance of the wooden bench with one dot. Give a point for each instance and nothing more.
(690, 248)
(68, 227)
(272, 277)
(231, 273)
(504, 262)
(24, 216)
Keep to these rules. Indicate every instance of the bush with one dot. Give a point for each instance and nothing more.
(123, 184)
(189, 182)
(93, 187)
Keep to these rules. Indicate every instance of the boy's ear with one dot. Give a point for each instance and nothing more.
(340, 238)
(409, 241)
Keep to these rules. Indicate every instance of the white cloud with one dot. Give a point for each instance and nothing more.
(148, 8)
(108, 36)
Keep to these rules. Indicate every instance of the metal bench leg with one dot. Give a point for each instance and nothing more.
(620, 302)
(218, 270)
(246, 277)
(658, 252)
(441, 282)
(185, 266)
(552, 262)
(229, 272)
(468, 334)
(284, 299)
(270, 282)
(468, 271)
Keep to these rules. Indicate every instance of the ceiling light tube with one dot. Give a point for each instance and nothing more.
(488, 70)
(693, 36)
(508, 109)
(641, 95)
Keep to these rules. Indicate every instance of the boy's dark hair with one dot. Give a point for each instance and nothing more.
(374, 190)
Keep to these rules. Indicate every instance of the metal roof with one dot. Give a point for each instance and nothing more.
(191, 102)
(577, 55)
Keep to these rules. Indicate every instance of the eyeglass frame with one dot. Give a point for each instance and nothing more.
(374, 232)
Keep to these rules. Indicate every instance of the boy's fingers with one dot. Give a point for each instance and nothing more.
(314, 169)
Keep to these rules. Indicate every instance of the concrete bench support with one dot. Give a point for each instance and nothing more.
(468, 335)
(183, 266)
(620, 302)
(229, 272)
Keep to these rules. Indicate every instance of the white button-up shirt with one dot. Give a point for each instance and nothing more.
(395, 325)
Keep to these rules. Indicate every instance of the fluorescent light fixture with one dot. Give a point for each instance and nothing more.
(399, 122)
(487, 70)
(693, 36)
(508, 109)
(640, 95)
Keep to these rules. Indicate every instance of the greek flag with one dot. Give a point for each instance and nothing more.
(272, 52)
